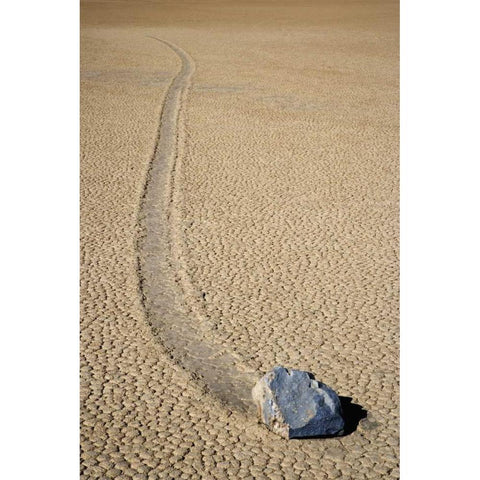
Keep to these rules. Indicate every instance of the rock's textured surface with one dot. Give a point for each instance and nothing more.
(293, 404)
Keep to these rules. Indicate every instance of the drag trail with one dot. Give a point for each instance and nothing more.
(173, 309)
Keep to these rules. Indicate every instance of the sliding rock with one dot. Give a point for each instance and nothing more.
(294, 405)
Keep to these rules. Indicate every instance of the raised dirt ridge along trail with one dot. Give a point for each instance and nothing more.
(169, 299)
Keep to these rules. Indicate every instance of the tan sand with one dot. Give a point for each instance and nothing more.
(277, 223)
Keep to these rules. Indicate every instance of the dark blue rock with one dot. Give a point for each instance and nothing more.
(294, 405)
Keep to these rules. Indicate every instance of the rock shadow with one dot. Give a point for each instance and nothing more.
(352, 415)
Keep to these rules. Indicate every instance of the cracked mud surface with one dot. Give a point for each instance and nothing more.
(285, 243)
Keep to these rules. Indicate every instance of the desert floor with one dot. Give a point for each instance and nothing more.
(239, 210)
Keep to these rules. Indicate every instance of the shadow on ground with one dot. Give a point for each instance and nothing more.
(352, 414)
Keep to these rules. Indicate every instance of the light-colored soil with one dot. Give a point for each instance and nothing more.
(275, 205)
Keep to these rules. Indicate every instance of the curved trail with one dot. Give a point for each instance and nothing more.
(168, 295)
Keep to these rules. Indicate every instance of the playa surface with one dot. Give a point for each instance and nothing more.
(239, 210)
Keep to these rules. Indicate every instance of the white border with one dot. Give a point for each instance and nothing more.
(439, 239)
(39, 198)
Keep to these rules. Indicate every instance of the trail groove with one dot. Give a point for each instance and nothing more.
(167, 291)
